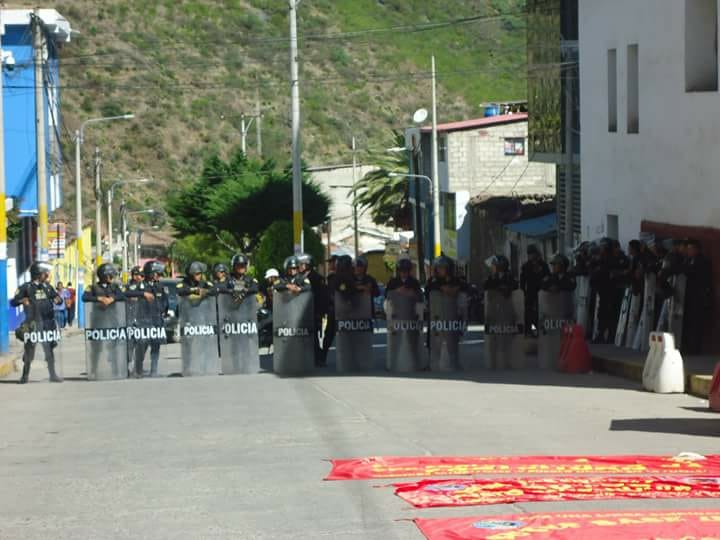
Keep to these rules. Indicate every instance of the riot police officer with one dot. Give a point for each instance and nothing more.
(152, 305)
(136, 275)
(220, 274)
(532, 274)
(38, 298)
(320, 301)
(364, 282)
(194, 284)
(105, 291)
(404, 280)
(239, 284)
(332, 286)
(560, 279)
(698, 297)
(292, 280)
(500, 278)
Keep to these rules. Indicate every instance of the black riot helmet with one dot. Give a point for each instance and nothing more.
(344, 264)
(39, 268)
(404, 265)
(560, 260)
(307, 260)
(136, 271)
(291, 263)
(153, 267)
(500, 262)
(195, 267)
(445, 262)
(239, 258)
(532, 249)
(219, 267)
(106, 272)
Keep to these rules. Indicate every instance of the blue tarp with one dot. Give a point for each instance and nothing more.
(536, 227)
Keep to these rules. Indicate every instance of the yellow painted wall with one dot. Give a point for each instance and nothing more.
(64, 268)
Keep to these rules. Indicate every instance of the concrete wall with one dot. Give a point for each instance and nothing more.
(668, 172)
(477, 163)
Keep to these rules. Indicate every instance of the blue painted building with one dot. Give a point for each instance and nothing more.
(19, 129)
(19, 114)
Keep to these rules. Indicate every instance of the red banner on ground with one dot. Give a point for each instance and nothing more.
(668, 525)
(432, 466)
(471, 492)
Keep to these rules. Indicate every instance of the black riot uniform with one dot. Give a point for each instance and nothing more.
(341, 273)
(364, 281)
(404, 280)
(238, 284)
(532, 274)
(602, 286)
(38, 298)
(190, 286)
(150, 314)
(500, 279)
(698, 298)
(105, 288)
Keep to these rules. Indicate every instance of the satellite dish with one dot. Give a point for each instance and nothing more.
(420, 116)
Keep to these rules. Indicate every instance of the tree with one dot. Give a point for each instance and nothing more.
(276, 243)
(207, 248)
(242, 197)
(385, 196)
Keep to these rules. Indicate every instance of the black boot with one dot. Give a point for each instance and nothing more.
(25, 374)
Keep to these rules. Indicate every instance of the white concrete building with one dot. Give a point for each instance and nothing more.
(650, 109)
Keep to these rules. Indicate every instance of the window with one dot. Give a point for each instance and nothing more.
(633, 90)
(514, 146)
(442, 148)
(612, 90)
(613, 227)
(701, 45)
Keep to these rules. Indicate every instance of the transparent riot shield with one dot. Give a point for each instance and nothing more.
(199, 335)
(405, 351)
(556, 310)
(354, 333)
(147, 332)
(583, 302)
(633, 319)
(293, 333)
(677, 308)
(40, 335)
(238, 334)
(647, 317)
(446, 327)
(504, 332)
(106, 341)
(623, 318)
(131, 309)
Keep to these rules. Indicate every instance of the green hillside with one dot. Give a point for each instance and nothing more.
(188, 70)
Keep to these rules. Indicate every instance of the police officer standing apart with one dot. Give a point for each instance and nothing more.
(38, 298)
(320, 302)
(532, 274)
(152, 306)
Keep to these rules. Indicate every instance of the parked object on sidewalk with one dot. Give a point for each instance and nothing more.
(575, 355)
(556, 311)
(504, 332)
(663, 372)
(714, 396)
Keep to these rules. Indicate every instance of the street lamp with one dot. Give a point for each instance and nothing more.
(79, 270)
(109, 206)
(124, 214)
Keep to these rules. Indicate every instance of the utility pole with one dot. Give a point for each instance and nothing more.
(98, 210)
(354, 205)
(435, 174)
(567, 238)
(79, 269)
(109, 218)
(243, 135)
(258, 122)
(40, 138)
(123, 232)
(298, 240)
(4, 326)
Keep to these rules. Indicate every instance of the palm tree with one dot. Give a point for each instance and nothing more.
(385, 196)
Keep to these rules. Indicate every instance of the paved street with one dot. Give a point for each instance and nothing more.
(243, 456)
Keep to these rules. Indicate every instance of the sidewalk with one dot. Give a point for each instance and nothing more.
(629, 364)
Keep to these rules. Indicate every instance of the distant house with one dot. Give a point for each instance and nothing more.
(19, 129)
(482, 157)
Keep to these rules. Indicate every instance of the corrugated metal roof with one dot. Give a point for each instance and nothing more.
(536, 227)
(486, 121)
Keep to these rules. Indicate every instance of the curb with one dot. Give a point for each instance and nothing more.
(7, 366)
(695, 384)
